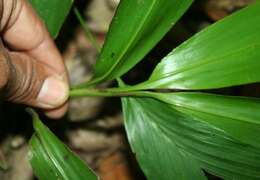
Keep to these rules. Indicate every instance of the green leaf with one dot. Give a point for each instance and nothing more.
(237, 116)
(51, 159)
(172, 145)
(225, 54)
(53, 13)
(159, 157)
(136, 27)
(40, 161)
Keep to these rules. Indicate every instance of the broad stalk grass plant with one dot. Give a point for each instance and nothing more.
(175, 135)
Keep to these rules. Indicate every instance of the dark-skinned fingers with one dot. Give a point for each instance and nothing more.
(23, 32)
(29, 82)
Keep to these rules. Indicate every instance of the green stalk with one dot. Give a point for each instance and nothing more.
(108, 93)
(86, 29)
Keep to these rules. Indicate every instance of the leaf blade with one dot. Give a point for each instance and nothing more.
(152, 154)
(213, 149)
(223, 55)
(237, 116)
(57, 156)
(53, 13)
(136, 27)
(39, 159)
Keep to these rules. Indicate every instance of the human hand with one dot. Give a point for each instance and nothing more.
(32, 71)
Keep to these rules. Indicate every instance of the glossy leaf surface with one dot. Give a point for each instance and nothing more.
(136, 27)
(225, 54)
(237, 116)
(171, 145)
(53, 13)
(52, 160)
(40, 161)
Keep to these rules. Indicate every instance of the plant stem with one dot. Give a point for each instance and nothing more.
(135, 88)
(108, 93)
(87, 31)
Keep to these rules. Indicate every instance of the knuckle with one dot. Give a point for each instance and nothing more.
(24, 82)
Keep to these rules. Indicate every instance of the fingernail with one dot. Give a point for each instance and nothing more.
(54, 92)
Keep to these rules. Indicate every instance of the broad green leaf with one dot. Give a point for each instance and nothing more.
(51, 159)
(237, 116)
(53, 13)
(225, 54)
(159, 157)
(40, 161)
(171, 145)
(136, 27)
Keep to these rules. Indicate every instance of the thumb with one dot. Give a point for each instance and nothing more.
(27, 81)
